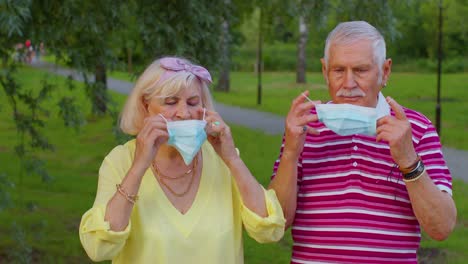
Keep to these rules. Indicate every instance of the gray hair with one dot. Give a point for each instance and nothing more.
(350, 32)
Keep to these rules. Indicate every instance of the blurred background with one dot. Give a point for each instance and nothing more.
(55, 129)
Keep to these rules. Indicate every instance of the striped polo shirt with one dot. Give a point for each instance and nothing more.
(352, 204)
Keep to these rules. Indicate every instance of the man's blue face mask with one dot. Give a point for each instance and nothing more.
(348, 119)
(187, 136)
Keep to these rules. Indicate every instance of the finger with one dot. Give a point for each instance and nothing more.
(299, 100)
(385, 120)
(380, 136)
(214, 120)
(299, 130)
(312, 131)
(150, 125)
(157, 118)
(157, 123)
(305, 119)
(212, 116)
(381, 129)
(383, 135)
(305, 129)
(144, 130)
(305, 94)
(399, 112)
(305, 107)
(157, 136)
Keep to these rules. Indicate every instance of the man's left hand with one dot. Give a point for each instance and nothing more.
(396, 130)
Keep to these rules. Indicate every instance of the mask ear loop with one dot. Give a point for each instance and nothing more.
(306, 97)
(204, 112)
(163, 118)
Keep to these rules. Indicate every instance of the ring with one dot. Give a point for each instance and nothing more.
(215, 123)
(304, 129)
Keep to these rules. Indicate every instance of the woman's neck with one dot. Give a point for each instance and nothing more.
(168, 153)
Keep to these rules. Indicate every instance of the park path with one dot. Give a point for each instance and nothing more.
(269, 123)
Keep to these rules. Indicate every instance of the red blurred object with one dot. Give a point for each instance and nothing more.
(28, 43)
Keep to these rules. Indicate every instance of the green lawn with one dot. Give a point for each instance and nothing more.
(58, 205)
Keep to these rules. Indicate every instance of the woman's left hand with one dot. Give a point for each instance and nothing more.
(219, 136)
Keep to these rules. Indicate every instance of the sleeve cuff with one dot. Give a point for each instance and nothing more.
(93, 222)
(445, 189)
(269, 228)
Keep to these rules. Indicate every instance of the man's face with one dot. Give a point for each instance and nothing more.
(352, 74)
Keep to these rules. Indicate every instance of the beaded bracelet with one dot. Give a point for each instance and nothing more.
(131, 198)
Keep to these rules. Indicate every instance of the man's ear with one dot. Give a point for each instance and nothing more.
(386, 70)
(324, 69)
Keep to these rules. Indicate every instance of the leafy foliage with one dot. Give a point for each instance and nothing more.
(5, 198)
(13, 14)
(186, 28)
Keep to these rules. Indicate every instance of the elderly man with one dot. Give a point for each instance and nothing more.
(359, 176)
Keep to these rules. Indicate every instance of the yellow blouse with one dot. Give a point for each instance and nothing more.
(210, 232)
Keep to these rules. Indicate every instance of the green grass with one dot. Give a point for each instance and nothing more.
(75, 162)
(455, 246)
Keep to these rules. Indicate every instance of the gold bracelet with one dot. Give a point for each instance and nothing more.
(131, 198)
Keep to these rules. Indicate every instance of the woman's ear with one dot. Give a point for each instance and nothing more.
(145, 105)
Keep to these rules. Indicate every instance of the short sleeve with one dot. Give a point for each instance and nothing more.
(428, 146)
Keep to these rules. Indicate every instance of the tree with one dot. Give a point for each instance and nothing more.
(126, 40)
(234, 12)
(308, 11)
(81, 32)
(268, 11)
(377, 13)
(29, 117)
(186, 28)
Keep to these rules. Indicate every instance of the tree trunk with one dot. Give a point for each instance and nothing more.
(224, 75)
(301, 50)
(259, 59)
(100, 89)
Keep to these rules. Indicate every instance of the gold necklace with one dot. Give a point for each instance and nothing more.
(158, 171)
(189, 185)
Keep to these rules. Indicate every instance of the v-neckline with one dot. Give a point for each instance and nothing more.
(186, 222)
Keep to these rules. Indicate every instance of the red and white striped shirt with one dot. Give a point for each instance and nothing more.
(352, 204)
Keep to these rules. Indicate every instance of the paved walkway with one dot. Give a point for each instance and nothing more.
(269, 123)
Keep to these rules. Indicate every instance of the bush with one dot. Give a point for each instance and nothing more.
(283, 57)
(276, 57)
(455, 65)
(425, 65)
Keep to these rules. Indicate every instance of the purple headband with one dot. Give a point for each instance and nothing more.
(173, 65)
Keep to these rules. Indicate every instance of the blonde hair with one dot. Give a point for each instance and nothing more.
(149, 86)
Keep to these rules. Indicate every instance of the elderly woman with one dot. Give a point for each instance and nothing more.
(170, 195)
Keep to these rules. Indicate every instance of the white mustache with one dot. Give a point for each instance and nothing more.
(350, 93)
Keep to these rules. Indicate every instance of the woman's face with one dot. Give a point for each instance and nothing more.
(185, 105)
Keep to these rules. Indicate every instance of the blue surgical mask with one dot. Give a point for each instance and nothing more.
(187, 136)
(348, 119)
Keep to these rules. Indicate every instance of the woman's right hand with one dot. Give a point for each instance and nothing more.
(149, 139)
(296, 126)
